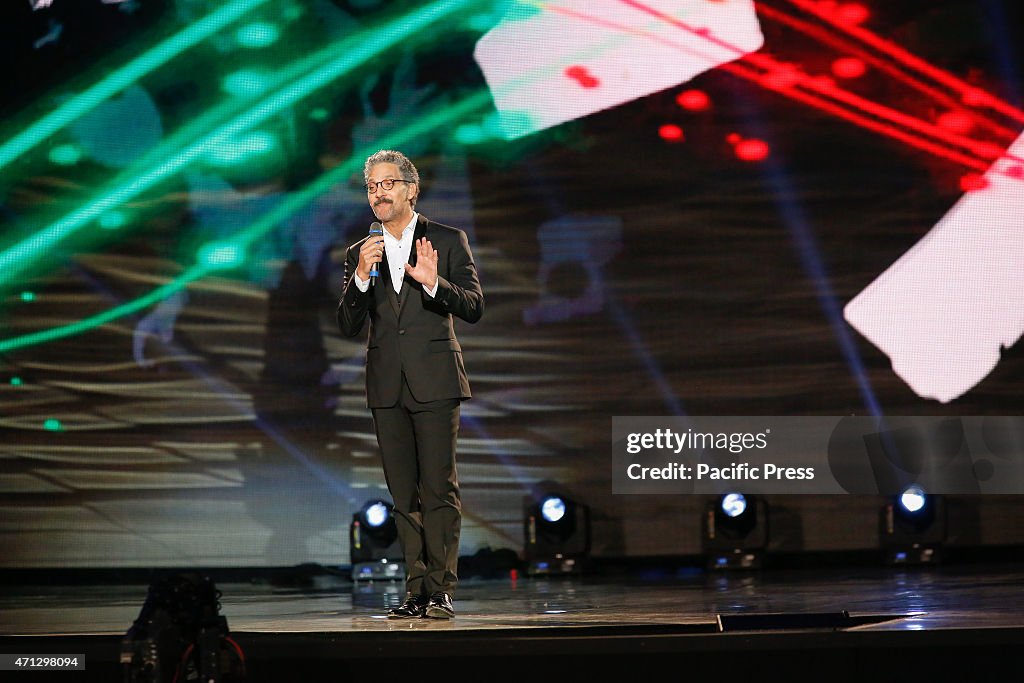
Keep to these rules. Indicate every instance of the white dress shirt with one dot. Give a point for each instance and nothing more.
(398, 251)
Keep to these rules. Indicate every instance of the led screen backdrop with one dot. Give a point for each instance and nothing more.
(688, 207)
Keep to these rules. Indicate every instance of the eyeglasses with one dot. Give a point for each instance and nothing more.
(387, 184)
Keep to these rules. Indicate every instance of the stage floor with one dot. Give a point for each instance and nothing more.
(855, 618)
(908, 599)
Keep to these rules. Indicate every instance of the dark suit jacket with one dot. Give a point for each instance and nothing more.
(410, 332)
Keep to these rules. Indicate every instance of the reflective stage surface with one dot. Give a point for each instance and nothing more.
(957, 620)
(916, 599)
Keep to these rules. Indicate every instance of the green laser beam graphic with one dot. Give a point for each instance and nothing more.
(341, 58)
(339, 173)
(86, 324)
(443, 116)
(123, 77)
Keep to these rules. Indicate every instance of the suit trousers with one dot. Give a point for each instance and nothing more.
(417, 445)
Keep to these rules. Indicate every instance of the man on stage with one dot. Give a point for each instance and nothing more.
(415, 377)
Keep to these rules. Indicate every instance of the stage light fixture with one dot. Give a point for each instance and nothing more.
(377, 515)
(913, 499)
(734, 504)
(735, 531)
(913, 527)
(557, 531)
(373, 543)
(552, 509)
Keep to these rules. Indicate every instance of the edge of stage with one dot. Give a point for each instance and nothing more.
(822, 617)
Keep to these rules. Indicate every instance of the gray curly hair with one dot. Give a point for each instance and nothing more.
(390, 156)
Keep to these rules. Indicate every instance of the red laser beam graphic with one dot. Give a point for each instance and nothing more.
(969, 94)
(825, 87)
(880, 63)
(786, 79)
(862, 121)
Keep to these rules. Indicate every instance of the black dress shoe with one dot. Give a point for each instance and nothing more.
(440, 606)
(414, 607)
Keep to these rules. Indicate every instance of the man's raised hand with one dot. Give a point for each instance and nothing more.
(425, 271)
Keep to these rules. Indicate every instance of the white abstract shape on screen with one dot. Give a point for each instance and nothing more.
(559, 65)
(944, 310)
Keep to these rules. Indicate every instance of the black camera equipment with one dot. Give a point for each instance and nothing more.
(181, 636)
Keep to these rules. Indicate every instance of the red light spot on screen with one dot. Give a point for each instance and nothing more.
(975, 97)
(973, 182)
(733, 138)
(849, 67)
(582, 76)
(956, 121)
(987, 150)
(752, 150)
(823, 82)
(693, 100)
(852, 13)
(828, 7)
(783, 77)
(1016, 172)
(671, 133)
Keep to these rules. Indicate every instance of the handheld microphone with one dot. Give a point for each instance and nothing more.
(376, 230)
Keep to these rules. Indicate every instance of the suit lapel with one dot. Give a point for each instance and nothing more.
(385, 281)
(407, 282)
